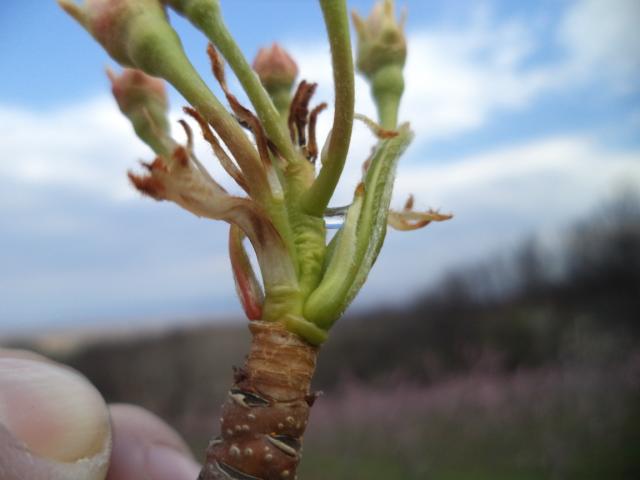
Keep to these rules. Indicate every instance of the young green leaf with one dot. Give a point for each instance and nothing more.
(357, 248)
(323, 302)
(372, 227)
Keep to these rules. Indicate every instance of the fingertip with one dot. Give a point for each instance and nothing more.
(144, 446)
(55, 411)
(54, 424)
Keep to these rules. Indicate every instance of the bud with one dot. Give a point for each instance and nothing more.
(134, 90)
(143, 100)
(135, 33)
(382, 51)
(275, 67)
(113, 22)
(381, 39)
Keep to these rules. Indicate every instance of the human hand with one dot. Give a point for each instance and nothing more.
(54, 425)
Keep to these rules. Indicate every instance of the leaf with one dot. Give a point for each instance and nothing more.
(358, 246)
(372, 227)
(323, 302)
(408, 219)
(247, 285)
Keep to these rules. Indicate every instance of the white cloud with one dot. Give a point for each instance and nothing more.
(544, 178)
(498, 197)
(87, 145)
(458, 77)
(602, 39)
(455, 78)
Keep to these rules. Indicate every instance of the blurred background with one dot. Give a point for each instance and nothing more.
(503, 344)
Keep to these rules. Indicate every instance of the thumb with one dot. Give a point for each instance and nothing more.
(54, 425)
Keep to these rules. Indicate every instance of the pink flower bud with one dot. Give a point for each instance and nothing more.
(134, 89)
(143, 100)
(275, 67)
(117, 24)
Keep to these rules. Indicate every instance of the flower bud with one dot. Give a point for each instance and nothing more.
(113, 22)
(275, 67)
(134, 90)
(135, 33)
(381, 39)
(143, 100)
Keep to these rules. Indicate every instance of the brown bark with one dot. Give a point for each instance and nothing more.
(266, 412)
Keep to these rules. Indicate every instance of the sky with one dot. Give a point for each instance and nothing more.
(526, 114)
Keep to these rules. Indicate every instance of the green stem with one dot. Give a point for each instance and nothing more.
(206, 16)
(198, 94)
(388, 107)
(176, 68)
(387, 86)
(208, 19)
(335, 16)
(155, 136)
(282, 100)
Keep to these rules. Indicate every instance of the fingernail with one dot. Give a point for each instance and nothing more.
(165, 463)
(55, 412)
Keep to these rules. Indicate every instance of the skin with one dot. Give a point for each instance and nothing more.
(41, 399)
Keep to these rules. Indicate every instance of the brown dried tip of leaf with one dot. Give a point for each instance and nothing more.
(148, 184)
(409, 203)
(245, 116)
(157, 165)
(276, 153)
(181, 156)
(188, 132)
(256, 128)
(312, 144)
(217, 66)
(407, 219)
(376, 129)
(227, 163)
(299, 111)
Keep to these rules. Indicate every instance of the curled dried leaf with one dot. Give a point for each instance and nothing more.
(185, 182)
(188, 132)
(409, 203)
(299, 112)
(225, 160)
(311, 150)
(245, 116)
(380, 132)
(407, 219)
(252, 122)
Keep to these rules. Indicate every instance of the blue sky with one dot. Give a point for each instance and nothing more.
(527, 115)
